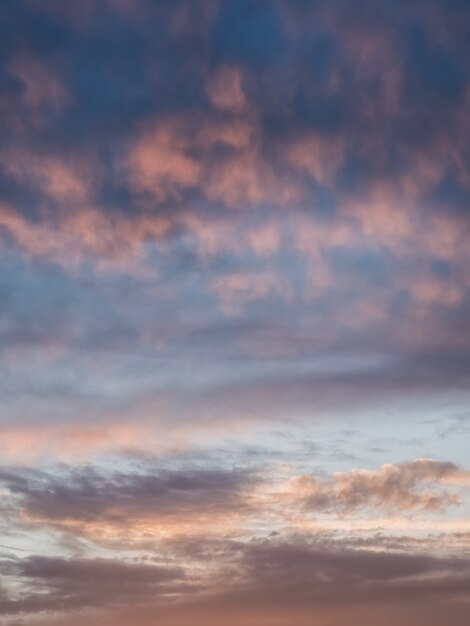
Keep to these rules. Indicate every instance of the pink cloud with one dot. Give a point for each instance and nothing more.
(160, 162)
(407, 487)
(225, 89)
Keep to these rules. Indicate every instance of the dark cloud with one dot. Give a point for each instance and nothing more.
(123, 66)
(323, 572)
(279, 573)
(57, 584)
(88, 495)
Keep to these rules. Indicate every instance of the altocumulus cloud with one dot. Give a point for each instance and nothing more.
(234, 312)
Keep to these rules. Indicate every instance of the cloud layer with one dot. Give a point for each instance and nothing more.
(234, 312)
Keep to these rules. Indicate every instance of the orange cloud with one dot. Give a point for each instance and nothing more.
(407, 487)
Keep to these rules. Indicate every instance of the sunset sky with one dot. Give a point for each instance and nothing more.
(235, 312)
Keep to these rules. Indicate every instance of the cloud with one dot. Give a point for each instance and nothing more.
(328, 569)
(161, 164)
(220, 220)
(134, 504)
(57, 584)
(152, 502)
(290, 576)
(225, 89)
(42, 87)
(408, 486)
(195, 542)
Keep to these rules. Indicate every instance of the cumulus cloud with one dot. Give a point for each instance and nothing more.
(409, 486)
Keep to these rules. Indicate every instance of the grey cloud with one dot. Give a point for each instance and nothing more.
(89, 494)
(57, 584)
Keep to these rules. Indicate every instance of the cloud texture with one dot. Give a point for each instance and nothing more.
(234, 312)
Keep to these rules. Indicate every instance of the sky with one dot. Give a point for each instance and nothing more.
(234, 312)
